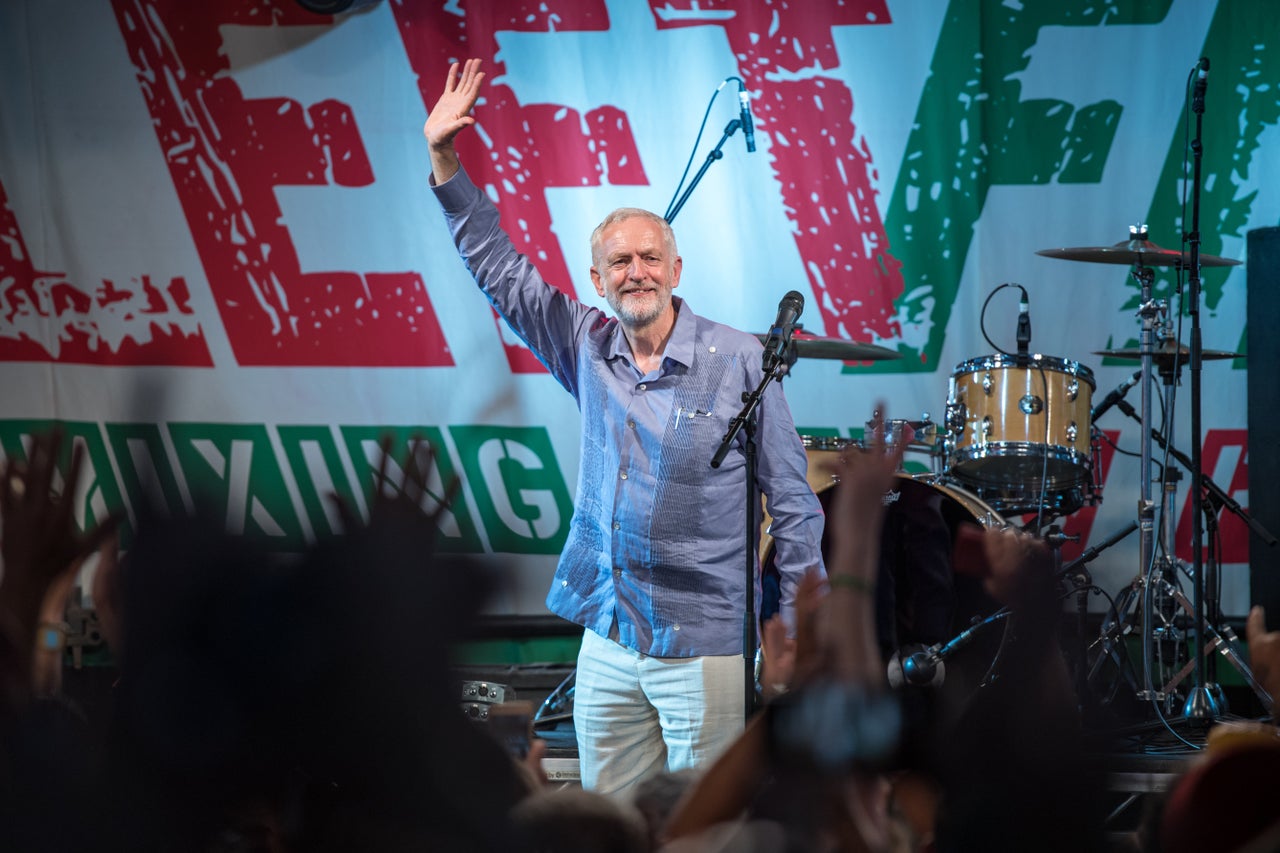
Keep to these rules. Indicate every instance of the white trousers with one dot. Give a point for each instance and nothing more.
(637, 715)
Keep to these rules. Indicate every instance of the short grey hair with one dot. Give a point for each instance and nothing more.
(622, 214)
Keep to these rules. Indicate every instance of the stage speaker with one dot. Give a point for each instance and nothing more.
(1262, 271)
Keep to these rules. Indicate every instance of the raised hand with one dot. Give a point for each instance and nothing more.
(450, 115)
(1264, 651)
(40, 539)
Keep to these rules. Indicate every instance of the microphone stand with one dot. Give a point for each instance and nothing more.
(1201, 704)
(1214, 495)
(746, 421)
(714, 155)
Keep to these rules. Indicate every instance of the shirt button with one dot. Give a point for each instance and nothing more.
(675, 627)
(617, 526)
(631, 424)
(709, 349)
(644, 387)
(623, 475)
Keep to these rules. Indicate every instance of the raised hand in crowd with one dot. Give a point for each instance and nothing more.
(1264, 653)
(42, 552)
(831, 794)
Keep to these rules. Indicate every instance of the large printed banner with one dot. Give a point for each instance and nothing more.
(222, 270)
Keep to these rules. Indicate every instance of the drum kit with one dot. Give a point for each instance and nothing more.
(1018, 447)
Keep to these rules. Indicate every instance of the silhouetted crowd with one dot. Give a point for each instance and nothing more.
(310, 704)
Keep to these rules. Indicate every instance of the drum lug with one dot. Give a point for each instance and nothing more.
(987, 383)
(955, 417)
(1072, 432)
(1073, 390)
(986, 425)
(1030, 404)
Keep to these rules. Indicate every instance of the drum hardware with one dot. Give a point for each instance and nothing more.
(1154, 592)
(1170, 356)
(805, 345)
(1216, 498)
(1136, 251)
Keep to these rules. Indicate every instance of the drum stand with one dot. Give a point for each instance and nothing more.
(1154, 591)
(1151, 590)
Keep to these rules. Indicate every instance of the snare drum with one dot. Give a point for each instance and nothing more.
(1017, 432)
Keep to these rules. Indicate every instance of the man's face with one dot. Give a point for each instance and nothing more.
(635, 272)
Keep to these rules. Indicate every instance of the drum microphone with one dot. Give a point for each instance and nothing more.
(1115, 396)
(926, 668)
(1024, 328)
(775, 346)
(749, 129)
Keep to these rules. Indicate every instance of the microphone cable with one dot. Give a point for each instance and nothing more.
(698, 139)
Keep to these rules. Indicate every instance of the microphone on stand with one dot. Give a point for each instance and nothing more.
(775, 346)
(1024, 329)
(1116, 395)
(1202, 82)
(926, 668)
(748, 129)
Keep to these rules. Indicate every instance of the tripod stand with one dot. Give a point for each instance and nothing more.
(1153, 599)
(1165, 607)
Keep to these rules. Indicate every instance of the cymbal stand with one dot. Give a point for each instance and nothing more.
(1149, 311)
(1220, 637)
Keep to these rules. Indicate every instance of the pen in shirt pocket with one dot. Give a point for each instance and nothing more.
(687, 412)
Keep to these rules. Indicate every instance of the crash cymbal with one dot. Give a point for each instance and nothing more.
(1164, 354)
(812, 346)
(1135, 251)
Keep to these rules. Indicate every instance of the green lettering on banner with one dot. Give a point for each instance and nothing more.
(458, 533)
(317, 470)
(973, 131)
(1240, 105)
(99, 493)
(233, 468)
(146, 474)
(518, 487)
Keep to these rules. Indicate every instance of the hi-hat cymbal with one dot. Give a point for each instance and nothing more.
(812, 346)
(1136, 251)
(1164, 354)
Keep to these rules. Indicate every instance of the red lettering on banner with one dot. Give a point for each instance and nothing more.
(46, 318)
(782, 48)
(1234, 532)
(520, 150)
(227, 154)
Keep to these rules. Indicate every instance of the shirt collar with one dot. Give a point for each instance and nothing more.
(679, 346)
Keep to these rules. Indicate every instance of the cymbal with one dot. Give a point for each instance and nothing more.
(1136, 251)
(1165, 353)
(812, 346)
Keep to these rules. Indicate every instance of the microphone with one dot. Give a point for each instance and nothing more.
(1115, 396)
(749, 129)
(775, 346)
(1202, 82)
(924, 669)
(1024, 329)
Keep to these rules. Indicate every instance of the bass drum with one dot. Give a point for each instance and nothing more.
(920, 600)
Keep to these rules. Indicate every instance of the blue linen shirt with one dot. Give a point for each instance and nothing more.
(654, 555)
